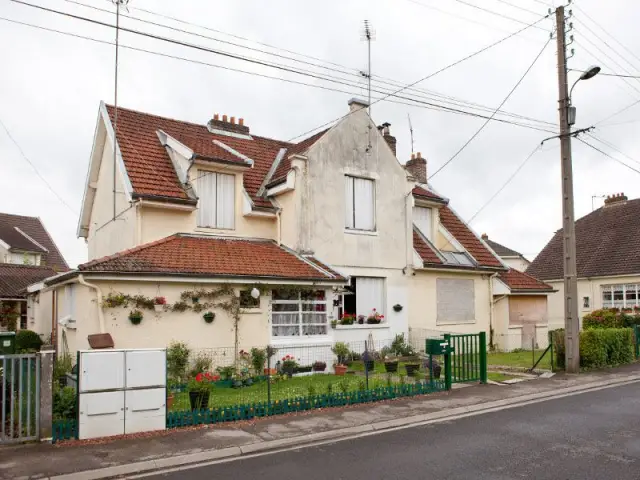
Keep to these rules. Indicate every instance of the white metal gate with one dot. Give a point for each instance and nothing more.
(20, 397)
(121, 391)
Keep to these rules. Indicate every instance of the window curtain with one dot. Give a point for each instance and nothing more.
(348, 202)
(422, 219)
(206, 190)
(364, 203)
(225, 196)
(369, 295)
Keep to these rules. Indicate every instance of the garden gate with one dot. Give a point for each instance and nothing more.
(20, 397)
(465, 357)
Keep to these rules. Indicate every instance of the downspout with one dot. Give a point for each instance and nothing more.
(138, 223)
(279, 222)
(82, 281)
(491, 314)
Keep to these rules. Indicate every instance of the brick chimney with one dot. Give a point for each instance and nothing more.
(485, 236)
(227, 124)
(386, 134)
(417, 167)
(615, 199)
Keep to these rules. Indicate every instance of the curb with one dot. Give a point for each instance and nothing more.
(330, 436)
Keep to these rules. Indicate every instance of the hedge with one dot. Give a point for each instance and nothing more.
(28, 341)
(599, 347)
(610, 318)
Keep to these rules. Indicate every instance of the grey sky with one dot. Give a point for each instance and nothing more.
(51, 85)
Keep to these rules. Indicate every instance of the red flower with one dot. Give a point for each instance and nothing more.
(199, 377)
(215, 378)
(208, 376)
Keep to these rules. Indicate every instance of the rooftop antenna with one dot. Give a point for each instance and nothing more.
(368, 34)
(410, 131)
(118, 3)
(593, 197)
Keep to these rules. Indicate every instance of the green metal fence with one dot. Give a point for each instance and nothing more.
(64, 430)
(467, 360)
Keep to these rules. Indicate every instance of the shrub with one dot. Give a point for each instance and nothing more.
(201, 363)
(177, 361)
(62, 366)
(400, 347)
(64, 403)
(557, 337)
(258, 359)
(341, 350)
(28, 341)
(599, 347)
(605, 318)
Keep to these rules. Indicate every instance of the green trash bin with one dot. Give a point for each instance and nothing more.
(7, 343)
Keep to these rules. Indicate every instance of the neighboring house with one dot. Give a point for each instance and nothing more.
(27, 256)
(510, 257)
(607, 258)
(336, 216)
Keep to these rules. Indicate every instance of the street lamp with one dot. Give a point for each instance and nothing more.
(586, 75)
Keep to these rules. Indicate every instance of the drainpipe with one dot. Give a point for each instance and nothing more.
(138, 223)
(82, 281)
(491, 304)
(279, 222)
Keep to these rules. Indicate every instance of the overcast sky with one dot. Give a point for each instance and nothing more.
(51, 86)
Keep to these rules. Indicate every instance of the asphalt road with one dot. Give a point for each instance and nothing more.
(590, 436)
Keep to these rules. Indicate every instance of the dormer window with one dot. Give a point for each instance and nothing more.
(216, 200)
(422, 218)
(360, 202)
(457, 258)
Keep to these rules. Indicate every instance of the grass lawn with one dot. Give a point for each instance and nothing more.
(300, 386)
(520, 359)
(498, 377)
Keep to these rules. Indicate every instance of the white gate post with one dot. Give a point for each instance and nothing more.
(44, 422)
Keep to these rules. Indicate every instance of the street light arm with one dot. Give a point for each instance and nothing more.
(572, 87)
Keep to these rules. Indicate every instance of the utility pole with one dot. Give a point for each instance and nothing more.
(571, 318)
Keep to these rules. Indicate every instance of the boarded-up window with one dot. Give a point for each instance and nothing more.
(456, 301)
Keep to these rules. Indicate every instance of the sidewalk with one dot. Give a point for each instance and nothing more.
(196, 444)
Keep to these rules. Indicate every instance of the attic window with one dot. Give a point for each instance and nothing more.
(457, 258)
(216, 197)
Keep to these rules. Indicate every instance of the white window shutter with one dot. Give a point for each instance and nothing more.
(364, 203)
(422, 219)
(206, 190)
(369, 295)
(348, 202)
(225, 197)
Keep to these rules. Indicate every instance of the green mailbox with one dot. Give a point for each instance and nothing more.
(436, 346)
(7, 343)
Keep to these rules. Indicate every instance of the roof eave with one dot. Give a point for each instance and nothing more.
(163, 198)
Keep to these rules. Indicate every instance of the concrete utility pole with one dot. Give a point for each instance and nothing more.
(571, 318)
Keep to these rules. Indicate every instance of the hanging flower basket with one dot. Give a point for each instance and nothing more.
(209, 317)
(159, 303)
(135, 317)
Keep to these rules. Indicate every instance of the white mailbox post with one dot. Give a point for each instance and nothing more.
(121, 391)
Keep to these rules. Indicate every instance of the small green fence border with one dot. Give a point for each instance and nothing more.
(64, 430)
(299, 404)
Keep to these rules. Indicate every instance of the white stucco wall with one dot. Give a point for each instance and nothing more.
(423, 303)
(115, 235)
(519, 264)
(40, 313)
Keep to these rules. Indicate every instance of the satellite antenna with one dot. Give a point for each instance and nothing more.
(368, 34)
(410, 131)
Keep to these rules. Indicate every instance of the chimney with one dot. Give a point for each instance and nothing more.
(357, 104)
(615, 199)
(227, 124)
(417, 167)
(386, 134)
(485, 236)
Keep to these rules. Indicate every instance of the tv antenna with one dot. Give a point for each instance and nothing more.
(410, 131)
(368, 34)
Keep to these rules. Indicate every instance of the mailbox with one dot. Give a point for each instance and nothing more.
(7, 343)
(437, 346)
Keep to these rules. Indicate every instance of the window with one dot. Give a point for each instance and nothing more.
(23, 316)
(620, 296)
(456, 301)
(586, 302)
(24, 258)
(68, 304)
(457, 258)
(360, 203)
(422, 220)
(247, 301)
(295, 314)
(364, 294)
(216, 197)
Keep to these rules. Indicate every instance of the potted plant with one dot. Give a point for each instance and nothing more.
(340, 350)
(209, 317)
(391, 364)
(258, 359)
(412, 366)
(170, 396)
(135, 316)
(397, 307)
(334, 323)
(347, 319)
(159, 304)
(436, 369)
(199, 390)
(289, 365)
(375, 317)
(360, 319)
(319, 366)
(368, 361)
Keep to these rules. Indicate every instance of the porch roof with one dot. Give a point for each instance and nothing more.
(14, 279)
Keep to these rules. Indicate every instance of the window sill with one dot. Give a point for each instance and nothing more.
(362, 327)
(213, 230)
(306, 340)
(370, 233)
(463, 322)
(251, 311)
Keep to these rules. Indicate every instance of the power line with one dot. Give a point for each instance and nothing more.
(605, 42)
(518, 7)
(607, 155)
(487, 121)
(385, 81)
(495, 13)
(451, 65)
(419, 104)
(26, 159)
(613, 147)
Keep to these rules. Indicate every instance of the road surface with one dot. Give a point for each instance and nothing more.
(589, 436)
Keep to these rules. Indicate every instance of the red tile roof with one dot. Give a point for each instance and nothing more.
(426, 253)
(522, 282)
(467, 238)
(607, 243)
(33, 227)
(185, 254)
(427, 194)
(14, 279)
(300, 148)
